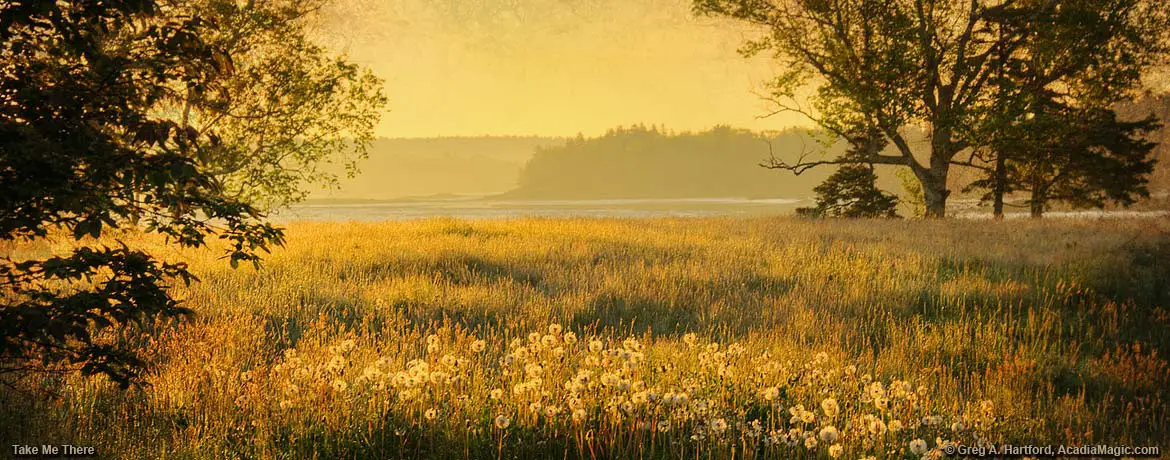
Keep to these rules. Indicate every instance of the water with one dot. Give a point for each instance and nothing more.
(479, 208)
(486, 208)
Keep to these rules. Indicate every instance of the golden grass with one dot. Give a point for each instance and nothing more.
(744, 338)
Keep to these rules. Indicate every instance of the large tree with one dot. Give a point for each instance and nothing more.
(1054, 131)
(906, 65)
(87, 147)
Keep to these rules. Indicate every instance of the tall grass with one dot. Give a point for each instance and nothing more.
(753, 338)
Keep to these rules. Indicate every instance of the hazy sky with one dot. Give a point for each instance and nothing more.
(551, 67)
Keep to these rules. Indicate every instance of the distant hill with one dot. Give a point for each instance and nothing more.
(399, 168)
(640, 162)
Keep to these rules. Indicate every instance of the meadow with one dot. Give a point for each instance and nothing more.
(645, 338)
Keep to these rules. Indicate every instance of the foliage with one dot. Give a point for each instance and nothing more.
(83, 151)
(940, 65)
(1055, 132)
(1085, 158)
(850, 192)
(913, 189)
(323, 353)
(288, 108)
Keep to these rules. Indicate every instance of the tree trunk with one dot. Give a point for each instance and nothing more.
(1000, 185)
(934, 180)
(1039, 196)
(935, 197)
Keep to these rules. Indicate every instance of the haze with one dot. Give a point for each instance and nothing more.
(551, 67)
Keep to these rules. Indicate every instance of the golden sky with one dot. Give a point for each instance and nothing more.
(551, 67)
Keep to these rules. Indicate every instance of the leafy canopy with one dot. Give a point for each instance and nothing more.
(86, 148)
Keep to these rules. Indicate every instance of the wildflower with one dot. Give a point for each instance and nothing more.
(478, 346)
(596, 345)
(957, 426)
(497, 393)
(828, 434)
(810, 442)
(554, 329)
(503, 422)
(663, 426)
(439, 377)
(552, 411)
(578, 415)
(718, 425)
(831, 408)
(918, 447)
(533, 337)
(836, 450)
(430, 414)
(548, 340)
(877, 427)
(570, 337)
(690, 339)
(285, 404)
(895, 426)
(340, 385)
(535, 407)
(771, 393)
(987, 407)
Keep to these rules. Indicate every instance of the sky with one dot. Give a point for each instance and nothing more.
(551, 67)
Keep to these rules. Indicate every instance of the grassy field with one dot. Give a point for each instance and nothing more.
(725, 338)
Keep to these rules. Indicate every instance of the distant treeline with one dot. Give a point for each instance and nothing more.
(649, 162)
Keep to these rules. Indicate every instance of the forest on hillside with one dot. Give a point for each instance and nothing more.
(650, 162)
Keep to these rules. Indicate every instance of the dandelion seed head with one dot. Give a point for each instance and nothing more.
(828, 434)
(918, 447)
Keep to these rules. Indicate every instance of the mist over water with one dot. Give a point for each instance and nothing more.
(480, 208)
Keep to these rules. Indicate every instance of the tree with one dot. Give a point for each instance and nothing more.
(86, 148)
(1084, 158)
(927, 64)
(1055, 133)
(852, 190)
(287, 108)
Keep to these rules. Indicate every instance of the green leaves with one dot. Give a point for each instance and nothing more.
(85, 147)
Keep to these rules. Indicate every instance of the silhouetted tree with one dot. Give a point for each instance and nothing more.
(84, 149)
(852, 190)
(897, 65)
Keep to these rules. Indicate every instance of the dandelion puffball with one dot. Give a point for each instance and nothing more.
(918, 447)
(828, 434)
